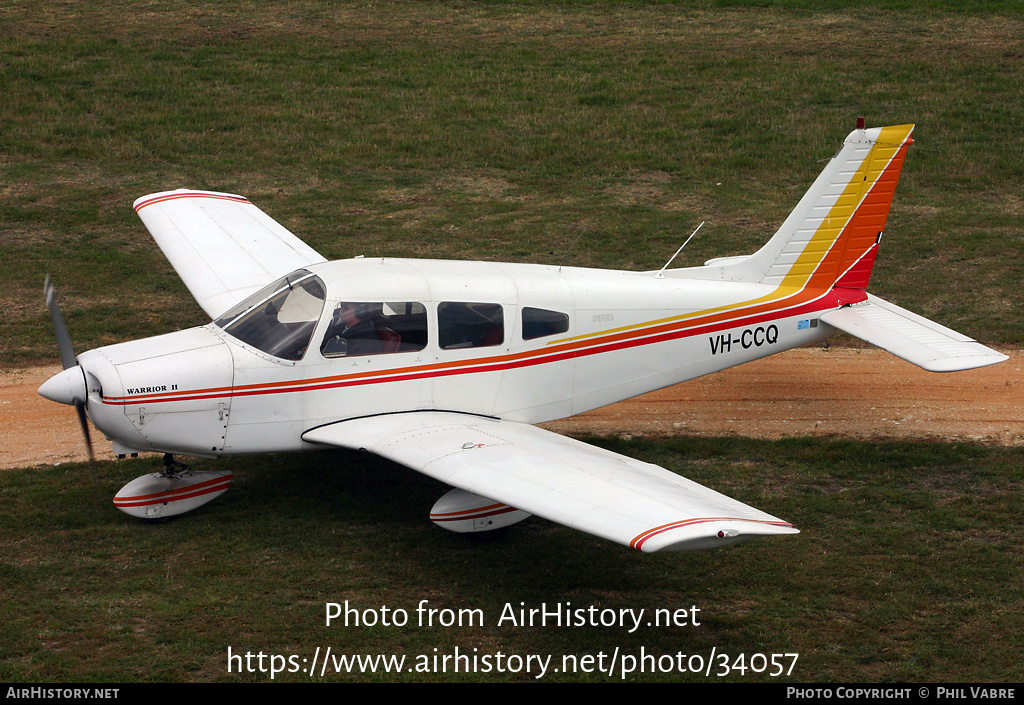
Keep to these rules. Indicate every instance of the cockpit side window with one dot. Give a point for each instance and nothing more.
(279, 319)
(375, 328)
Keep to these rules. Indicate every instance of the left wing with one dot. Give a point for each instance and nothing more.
(222, 246)
(603, 493)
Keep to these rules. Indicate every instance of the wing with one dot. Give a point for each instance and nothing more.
(911, 337)
(223, 247)
(587, 488)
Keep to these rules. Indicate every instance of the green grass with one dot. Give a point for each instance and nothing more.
(496, 131)
(908, 569)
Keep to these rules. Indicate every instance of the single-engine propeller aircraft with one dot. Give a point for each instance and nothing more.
(444, 366)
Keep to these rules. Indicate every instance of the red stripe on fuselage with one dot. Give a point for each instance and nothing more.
(605, 344)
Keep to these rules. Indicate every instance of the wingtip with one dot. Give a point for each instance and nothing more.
(965, 362)
(164, 196)
(691, 536)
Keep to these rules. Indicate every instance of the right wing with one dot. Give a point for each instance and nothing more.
(609, 495)
(911, 337)
(222, 246)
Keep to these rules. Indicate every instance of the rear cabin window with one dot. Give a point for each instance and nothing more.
(375, 328)
(469, 325)
(539, 322)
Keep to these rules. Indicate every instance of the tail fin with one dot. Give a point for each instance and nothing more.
(829, 242)
(831, 237)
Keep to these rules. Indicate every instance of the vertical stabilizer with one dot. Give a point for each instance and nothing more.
(831, 237)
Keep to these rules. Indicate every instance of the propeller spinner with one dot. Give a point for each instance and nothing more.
(70, 386)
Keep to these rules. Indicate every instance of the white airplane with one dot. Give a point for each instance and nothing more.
(444, 366)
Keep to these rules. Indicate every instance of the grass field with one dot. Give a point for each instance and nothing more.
(507, 131)
(907, 570)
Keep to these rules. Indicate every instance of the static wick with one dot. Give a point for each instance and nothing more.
(661, 272)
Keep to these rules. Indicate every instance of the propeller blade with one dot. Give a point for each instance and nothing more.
(67, 356)
(84, 423)
(60, 329)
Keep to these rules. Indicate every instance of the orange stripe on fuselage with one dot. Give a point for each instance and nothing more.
(491, 363)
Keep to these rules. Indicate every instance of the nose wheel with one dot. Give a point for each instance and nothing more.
(172, 468)
(175, 490)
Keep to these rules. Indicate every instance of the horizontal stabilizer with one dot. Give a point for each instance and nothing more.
(911, 337)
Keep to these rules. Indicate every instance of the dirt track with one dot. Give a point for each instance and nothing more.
(854, 393)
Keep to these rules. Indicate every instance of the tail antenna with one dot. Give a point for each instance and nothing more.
(661, 272)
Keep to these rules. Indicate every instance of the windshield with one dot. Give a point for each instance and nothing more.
(279, 319)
